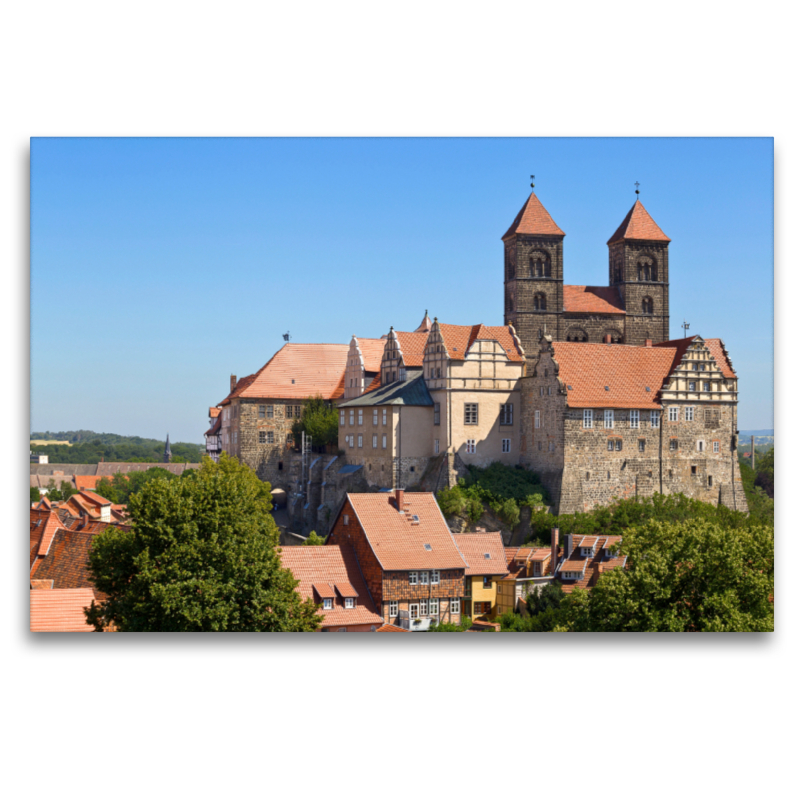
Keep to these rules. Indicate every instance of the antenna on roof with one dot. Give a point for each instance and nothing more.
(685, 327)
(532, 177)
(286, 336)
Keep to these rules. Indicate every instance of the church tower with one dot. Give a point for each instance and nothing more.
(534, 274)
(167, 452)
(638, 266)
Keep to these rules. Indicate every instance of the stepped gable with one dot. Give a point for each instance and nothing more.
(483, 552)
(586, 369)
(638, 224)
(459, 338)
(715, 347)
(533, 219)
(60, 610)
(298, 371)
(593, 300)
(412, 345)
(332, 571)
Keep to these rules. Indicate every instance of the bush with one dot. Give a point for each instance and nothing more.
(451, 501)
(451, 627)
(35, 495)
(509, 512)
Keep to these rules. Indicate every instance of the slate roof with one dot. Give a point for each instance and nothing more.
(459, 338)
(591, 566)
(397, 542)
(328, 567)
(638, 224)
(475, 547)
(410, 392)
(592, 300)
(60, 610)
(533, 219)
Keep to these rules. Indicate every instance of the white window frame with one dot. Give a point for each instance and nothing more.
(608, 418)
(537, 419)
(634, 418)
(383, 443)
(655, 419)
(674, 413)
(394, 608)
(716, 447)
(433, 607)
(374, 416)
(352, 416)
(506, 446)
(349, 602)
(470, 410)
(350, 441)
(424, 578)
(689, 414)
(341, 417)
(413, 611)
(588, 418)
(470, 446)
(435, 577)
(436, 447)
(374, 441)
(423, 607)
(384, 416)
(412, 579)
(455, 605)
(360, 439)
(360, 416)
(327, 604)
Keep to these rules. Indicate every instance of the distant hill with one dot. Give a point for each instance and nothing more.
(89, 447)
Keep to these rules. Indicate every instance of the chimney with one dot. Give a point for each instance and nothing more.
(568, 546)
(399, 495)
(553, 550)
(648, 342)
(607, 338)
(233, 382)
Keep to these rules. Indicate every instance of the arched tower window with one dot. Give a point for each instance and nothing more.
(647, 305)
(540, 265)
(577, 335)
(647, 269)
(539, 302)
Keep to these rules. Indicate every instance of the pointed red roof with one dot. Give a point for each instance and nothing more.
(534, 219)
(638, 224)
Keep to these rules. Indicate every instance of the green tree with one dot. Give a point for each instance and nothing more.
(67, 490)
(53, 494)
(202, 555)
(36, 495)
(313, 540)
(319, 420)
(685, 576)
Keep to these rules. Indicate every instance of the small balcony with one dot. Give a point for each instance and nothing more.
(415, 624)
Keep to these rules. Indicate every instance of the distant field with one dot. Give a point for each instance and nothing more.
(45, 442)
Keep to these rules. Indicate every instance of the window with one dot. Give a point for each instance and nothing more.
(701, 445)
(541, 391)
(692, 386)
(262, 410)
(352, 416)
(455, 606)
(673, 414)
(588, 418)
(436, 447)
(702, 367)
(270, 437)
(412, 578)
(537, 423)
(471, 446)
(289, 410)
(610, 445)
(435, 577)
(539, 302)
(634, 419)
(551, 446)
(706, 386)
(647, 305)
(507, 414)
(654, 419)
(327, 603)
(298, 411)
(262, 437)
(270, 412)
(608, 418)
(695, 366)
(374, 441)
(413, 610)
(360, 440)
(716, 447)
(393, 608)
(549, 390)
(374, 416)
(487, 582)
(435, 414)
(350, 440)
(236, 437)
(433, 609)
(438, 375)
(506, 445)
(689, 413)
(470, 413)
(341, 417)
(384, 416)
(349, 602)
(423, 578)
(710, 481)
(641, 445)
(383, 443)
(694, 470)
(618, 444)
(423, 608)
(673, 445)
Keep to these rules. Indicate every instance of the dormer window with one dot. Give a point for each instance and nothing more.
(327, 604)
(587, 551)
(349, 602)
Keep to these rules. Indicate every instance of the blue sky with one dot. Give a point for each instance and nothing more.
(161, 266)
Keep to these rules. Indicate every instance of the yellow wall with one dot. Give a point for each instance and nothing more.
(481, 595)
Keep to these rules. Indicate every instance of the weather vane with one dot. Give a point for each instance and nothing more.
(685, 327)
(286, 336)
(532, 177)
(637, 188)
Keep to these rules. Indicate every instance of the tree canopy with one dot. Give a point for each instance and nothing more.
(319, 420)
(202, 555)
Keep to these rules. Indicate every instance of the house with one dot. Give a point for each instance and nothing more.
(409, 558)
(486, 566)
(528, 570)
(587, 557)
(332, 577)
(86, 503)
(214, 434)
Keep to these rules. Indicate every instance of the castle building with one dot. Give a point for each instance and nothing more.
(632, 309)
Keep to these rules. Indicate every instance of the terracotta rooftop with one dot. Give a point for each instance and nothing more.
(214, 412)
(591, 566)
(67, 560)
(425, 325)
(475, 547)
(390, 629)
(533, 219)
(60, 610)
(715, 347)
(298, 371)
(638, 224)
(399, 543)
(44, 524)
(412, 346)
(459, 338)
(593, 300)
(327, 567)
(586, 369)
(372, 351)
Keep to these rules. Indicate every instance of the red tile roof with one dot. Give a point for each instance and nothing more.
(425, 325)
(95, 498)
(44, 525)
(397, 542)
(534, 219)
(459, 338)
(593, 300)
(330, 565)
(412, 346)
(86, 482)
(66, 563)
(372, 351)
(214, 412)
(476, 546)
(715, 346)
(627, 371)
(60, 610)
(638, 224)
(390, 629)
(241, 385)
(298, 371)
(591, 566)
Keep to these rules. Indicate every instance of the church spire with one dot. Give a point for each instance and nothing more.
(167, 452)
(534, 220)
(638, 224)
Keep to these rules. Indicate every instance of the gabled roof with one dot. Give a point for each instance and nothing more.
(593, 300)
(387, 628)
(95, 498)
(214, 412)
(66, 563)
(715, 347)
(44, 525)
(327, 567)
(586, 369)
(459, 338)
(475, 547)
(372, 351)
(297, 371)
(533, 219)
(410, 392)
(638, 224)
(397, 542)
(591, 567)
(215, 428)
(413, 347)
(60, 610)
